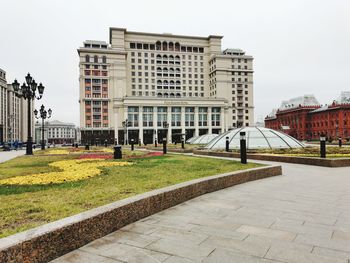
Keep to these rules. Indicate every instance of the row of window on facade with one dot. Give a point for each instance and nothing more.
(166, 46)
(162, 116)
(234, 60)
(167, 57)
(96, 59)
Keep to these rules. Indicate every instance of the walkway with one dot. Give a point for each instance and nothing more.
(5, 156)
(303, 216)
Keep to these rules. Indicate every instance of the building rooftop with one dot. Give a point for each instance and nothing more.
(306, 100)
(233, 51)
(60, 123)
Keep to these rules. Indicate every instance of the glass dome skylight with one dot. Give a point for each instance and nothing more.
(203, 139)
(256, 138)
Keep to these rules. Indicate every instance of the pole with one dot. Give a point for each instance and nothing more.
(323, 146)
(164, 145)
(155, 142)
(227, 148)
(182, 143)
(42, 135)
(243, 149)
(29, 149)
(132, 144)
(340, 142)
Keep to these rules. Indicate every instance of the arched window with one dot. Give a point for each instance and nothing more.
(171, 82)
(165, 46)
(171, 57)
(177, 58)
(159, 69)
(159, 56)
(177, 70)
(165, 82)
(159, 82)
(171, 70)
(165, 95)
(165, 57)
(158, 45)
(178, 82)
(104, 59)
(87, 58)
(165, 70)
(178, 95)
(95, 59)
(172, 95)
(177, 46)
(171, 46)
(159, 94)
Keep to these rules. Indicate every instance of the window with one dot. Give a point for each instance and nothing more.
(162, 115)
(189, 116)
(215, 117)
(203, 116)
(176, 116)
(133, 116)
(147, 116)
(95, 59)
(87, 58)
(104, 59)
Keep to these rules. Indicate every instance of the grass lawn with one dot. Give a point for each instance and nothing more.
(26, 206)
(332, 152)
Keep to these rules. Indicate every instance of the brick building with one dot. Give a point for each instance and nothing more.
(305, 119)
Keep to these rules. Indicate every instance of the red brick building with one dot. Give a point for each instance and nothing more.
(308, 122)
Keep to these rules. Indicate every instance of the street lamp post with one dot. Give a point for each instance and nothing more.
(28, 92)
(44, 114)
(166, 127)
(126, 124)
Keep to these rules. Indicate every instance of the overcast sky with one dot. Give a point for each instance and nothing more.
(299, 46)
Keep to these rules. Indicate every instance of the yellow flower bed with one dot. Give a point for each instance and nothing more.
(71, 170)
(58, 151)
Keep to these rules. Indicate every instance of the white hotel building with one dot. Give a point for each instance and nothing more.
(150, 79)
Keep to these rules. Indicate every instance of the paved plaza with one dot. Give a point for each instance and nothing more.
(302, 216)
(5, 156)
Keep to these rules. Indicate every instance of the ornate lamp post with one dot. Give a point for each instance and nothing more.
(126, 124)
(29, 92)
(43, 115)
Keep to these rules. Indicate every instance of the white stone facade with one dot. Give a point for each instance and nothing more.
(13, 113)
(186, 81)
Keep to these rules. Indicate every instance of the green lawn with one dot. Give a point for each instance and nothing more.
(24, 207)
(332, 152)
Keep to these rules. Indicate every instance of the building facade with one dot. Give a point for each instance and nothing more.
(13, 113)
(136, 83)
(305, 119)
(56, 132)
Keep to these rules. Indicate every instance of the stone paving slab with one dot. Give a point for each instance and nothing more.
(301, 217)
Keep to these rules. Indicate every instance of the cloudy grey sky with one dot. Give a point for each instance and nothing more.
(300, 46)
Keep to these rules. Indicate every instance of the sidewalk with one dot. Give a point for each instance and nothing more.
(5, 156)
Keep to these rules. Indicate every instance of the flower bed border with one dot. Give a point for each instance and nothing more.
(327, 162)
(55, 239)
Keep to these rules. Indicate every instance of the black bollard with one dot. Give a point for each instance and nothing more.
(323, 146)
(243, 148)
(87, 147)
(164, 145)
(183, 143)
(76, 145)
(227, 144)
(118, 152)
(132, 144)
(340, 142)
(155, 143)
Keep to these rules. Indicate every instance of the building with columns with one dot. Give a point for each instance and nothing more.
(147, 86)
(56, 132)
(13, 113)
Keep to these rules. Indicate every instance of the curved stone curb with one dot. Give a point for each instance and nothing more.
(335, 162)
(55, 239)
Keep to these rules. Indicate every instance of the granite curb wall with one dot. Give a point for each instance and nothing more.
(55, 239)
(335, 162)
